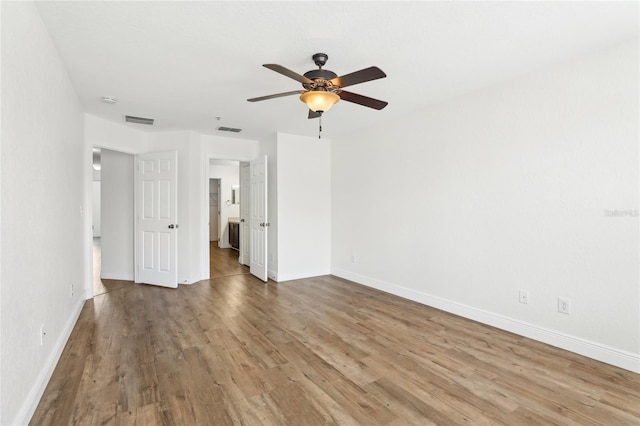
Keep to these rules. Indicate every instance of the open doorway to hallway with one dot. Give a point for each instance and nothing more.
(112, 222)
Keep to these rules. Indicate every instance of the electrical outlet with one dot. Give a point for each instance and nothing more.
(564, 305)
(524, 297)
(353, 258)
(71, 290)
(43, 332)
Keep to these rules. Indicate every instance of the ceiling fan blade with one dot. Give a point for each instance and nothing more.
(285, 71)
(362, 100)
(367, 74)
(313, 114)
(277, 95)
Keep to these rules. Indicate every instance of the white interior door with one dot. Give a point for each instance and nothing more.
(156, 219)
(258, 219)
(214, 209)
(245, 212)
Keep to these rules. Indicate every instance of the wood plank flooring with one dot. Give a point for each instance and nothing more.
(233, 350)
(224, 262)
(103, 285)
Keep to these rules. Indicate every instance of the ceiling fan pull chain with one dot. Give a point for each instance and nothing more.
(320, 126)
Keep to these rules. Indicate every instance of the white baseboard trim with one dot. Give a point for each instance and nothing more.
(31, 402)
(619, 358)
(117, 276)
(273, 275)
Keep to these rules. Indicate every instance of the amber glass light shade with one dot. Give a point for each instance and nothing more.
(318, 100)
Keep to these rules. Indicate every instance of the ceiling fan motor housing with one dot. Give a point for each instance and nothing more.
(321, 77)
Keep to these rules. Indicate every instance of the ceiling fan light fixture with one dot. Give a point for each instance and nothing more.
(319, 100)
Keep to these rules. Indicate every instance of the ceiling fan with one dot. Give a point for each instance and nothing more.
(323, 88)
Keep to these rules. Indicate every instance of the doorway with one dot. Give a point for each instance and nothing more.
(226, 238)
(111, 190)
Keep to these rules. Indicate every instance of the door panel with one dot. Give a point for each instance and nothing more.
(213, 210)
(156, 224)
(245, 212)
(259, 223)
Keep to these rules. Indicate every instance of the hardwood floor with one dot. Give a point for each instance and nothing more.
(103, 285)
(224, 262)
(233, 350)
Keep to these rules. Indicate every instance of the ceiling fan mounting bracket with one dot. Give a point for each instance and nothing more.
(320, 59)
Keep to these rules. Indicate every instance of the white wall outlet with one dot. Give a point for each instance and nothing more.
(43, 332)
(564, 305)
(71, 290)
(524, 297)
(353, 258)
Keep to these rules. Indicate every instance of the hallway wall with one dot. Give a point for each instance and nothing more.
(43, 210)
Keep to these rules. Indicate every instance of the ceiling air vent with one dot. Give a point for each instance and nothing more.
(139, 120)
(229, 129)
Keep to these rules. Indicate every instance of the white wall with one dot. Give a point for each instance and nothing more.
(465, 203)
(117, 200)
(304, 207)
(229, 174)
(114, 136)
(42, 197)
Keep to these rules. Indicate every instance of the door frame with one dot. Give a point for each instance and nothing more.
(87, 211)
(206, 252)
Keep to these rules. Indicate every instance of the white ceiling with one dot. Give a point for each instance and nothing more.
(185, 63)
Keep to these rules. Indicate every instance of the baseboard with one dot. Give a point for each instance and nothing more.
(619, 358)
(117, 276)
(31, 402)
(273, 275)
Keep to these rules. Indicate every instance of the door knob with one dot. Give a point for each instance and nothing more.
(173, 226)
(241, 220)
